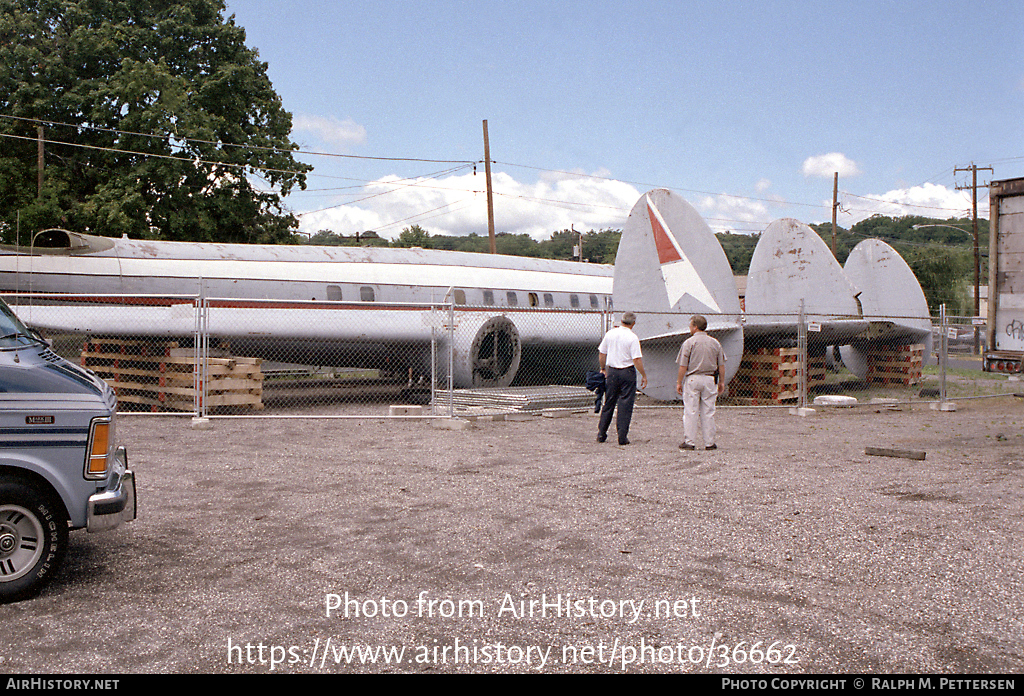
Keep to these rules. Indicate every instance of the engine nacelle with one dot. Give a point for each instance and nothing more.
(487, 351)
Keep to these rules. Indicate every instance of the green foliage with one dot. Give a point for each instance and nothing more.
(414, 236)
(106, 75)
(598, 246)
(940, 252)
(946, 277)
(738, 248)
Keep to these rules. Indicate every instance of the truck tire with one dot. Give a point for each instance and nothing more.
(33, 539)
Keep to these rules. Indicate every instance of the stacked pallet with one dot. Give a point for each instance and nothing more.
(897, 365)
(772, 375)
(161, 375)
(511, 399)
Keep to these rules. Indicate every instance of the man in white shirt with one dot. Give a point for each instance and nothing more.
(700, 357)
(620, 358)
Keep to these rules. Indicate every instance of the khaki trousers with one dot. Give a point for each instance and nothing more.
(699, 395)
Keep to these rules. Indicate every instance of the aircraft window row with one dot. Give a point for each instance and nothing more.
(367, 294)
(512, 299)
(334, 293)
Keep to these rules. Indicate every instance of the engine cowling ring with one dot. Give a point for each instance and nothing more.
(487, 352)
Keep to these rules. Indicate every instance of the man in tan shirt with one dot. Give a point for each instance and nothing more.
(699, 358)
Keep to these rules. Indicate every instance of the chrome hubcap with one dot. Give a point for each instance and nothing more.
(21, 541)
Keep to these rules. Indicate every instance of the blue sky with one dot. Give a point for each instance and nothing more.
(744, 108)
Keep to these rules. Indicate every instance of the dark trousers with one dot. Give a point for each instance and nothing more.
(621, 392)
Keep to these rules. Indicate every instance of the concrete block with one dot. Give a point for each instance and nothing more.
(947, 406)
(837, 400)
(803, 412)
(202, 424)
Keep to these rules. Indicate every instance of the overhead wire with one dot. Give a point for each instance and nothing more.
(462, 164)
(292, 151)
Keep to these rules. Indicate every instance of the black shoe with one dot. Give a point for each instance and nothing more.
(602, 438)
(711, 447)
(622, 444)
(684, 446)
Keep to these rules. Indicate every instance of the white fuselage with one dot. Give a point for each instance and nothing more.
(283, 272)
(356, 305)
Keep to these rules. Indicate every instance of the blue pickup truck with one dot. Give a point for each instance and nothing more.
(60, 465)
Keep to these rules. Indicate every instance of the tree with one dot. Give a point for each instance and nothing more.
(156, 115)
(601, 246)
(945, 276)
(414, 236)
(739, 249)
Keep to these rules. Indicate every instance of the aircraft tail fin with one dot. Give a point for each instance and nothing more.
(670, 266)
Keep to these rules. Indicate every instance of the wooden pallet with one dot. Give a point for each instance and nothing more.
(772, 376)
(897, 365)
(161, 375)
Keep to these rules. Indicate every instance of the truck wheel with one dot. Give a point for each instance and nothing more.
(33, 539)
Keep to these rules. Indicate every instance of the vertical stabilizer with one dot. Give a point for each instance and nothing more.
(670, 266)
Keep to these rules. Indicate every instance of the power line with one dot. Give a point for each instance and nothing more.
(896, 203)
(194, 160)
(292, 151)
(649, 185)
(408, 182)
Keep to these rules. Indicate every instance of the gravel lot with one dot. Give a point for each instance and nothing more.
(789, 547)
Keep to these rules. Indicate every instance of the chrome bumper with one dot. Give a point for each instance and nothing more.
(109, 508)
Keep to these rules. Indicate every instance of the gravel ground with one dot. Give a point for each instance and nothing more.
(786, 551)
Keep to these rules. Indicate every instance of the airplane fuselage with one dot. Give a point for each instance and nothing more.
(321, 304)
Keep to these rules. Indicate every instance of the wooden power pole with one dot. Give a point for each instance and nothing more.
(490, 193)
(977, 253)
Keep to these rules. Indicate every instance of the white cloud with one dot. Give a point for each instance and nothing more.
(734, 213)
(928, 200)
(457, 205)
(828, 165)
(330, 130)
(763, 185)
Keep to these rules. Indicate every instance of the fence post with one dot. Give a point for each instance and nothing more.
(944, 347)
(433, 359)
(201, 351)
(451, 355)
(801, 344)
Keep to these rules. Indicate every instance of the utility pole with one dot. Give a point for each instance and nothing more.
(835, 204)
(490, 193)
(977, 254)
(40, 161)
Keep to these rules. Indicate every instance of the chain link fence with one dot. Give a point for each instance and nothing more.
(220, 357)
